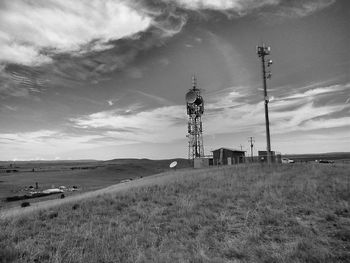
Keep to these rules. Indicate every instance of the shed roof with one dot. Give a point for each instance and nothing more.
(229, 149)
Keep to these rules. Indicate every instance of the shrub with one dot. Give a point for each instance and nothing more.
(25, 204)
(53, 214)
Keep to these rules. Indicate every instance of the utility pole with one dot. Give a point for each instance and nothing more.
(251, 140)
(262, 52)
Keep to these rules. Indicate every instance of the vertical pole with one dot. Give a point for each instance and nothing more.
(251, 147)
(266, 109)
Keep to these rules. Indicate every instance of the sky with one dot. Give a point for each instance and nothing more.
(105, 79)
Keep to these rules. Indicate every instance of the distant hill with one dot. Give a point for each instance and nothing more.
(320, 156)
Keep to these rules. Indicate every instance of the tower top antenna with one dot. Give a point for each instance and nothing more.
(194, 81)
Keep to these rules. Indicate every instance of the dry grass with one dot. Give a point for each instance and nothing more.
(297, 213)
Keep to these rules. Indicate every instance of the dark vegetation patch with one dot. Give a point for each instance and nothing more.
(75, 206)
(25, 204)
(287, 214)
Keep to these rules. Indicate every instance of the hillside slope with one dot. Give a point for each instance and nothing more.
(297, 213)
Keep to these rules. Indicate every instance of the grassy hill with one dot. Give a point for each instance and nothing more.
(285, 213)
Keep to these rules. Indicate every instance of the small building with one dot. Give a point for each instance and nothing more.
(227, 156)
(275, 157)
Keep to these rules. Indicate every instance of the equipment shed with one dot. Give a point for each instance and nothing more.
(227, 156)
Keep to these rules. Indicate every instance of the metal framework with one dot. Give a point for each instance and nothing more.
(195, 110)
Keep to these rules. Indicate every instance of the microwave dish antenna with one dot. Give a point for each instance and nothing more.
(191, 97)
(173, 164)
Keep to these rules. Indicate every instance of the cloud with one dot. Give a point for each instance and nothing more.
(226, 112)
(27, 137)
(154, 98)
(239, 6)
(43, 144)
(295, 8)
(31, 31)
(231, 111)
(324, 123)
(226, 109)
(157, 125)
(311, 93)
(55, 43)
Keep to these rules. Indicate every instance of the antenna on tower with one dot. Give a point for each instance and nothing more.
(194, 81)
(195, 109)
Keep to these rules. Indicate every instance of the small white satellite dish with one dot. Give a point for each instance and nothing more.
(173, 164)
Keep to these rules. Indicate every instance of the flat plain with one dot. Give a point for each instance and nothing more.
(16, 178)
(241, 213)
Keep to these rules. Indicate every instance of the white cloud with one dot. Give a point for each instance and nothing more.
(27, 137)
(31, 30)
(44, 143)
(297, 112)
(236, 5)
(317, 91)
(225, 112)
(326, 123)
(157, 125)
(306, 117)
(303, 8)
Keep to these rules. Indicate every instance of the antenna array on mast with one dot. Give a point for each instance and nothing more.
(195, 110)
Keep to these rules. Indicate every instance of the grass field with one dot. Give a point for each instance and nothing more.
(285, 213)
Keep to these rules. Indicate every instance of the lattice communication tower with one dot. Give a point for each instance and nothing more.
(195, 110)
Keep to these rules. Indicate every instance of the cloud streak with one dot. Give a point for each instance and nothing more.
(225, 110)
(239, 6)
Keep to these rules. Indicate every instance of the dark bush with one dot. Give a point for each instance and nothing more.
(25, 204)
(76, 206)
(53, 214)
(62, 196)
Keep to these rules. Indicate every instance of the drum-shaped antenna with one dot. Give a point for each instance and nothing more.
(191, 96)
(198, 100)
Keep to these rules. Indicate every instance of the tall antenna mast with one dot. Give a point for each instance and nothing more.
(195, 110)
(263, 51)
(251, 140)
